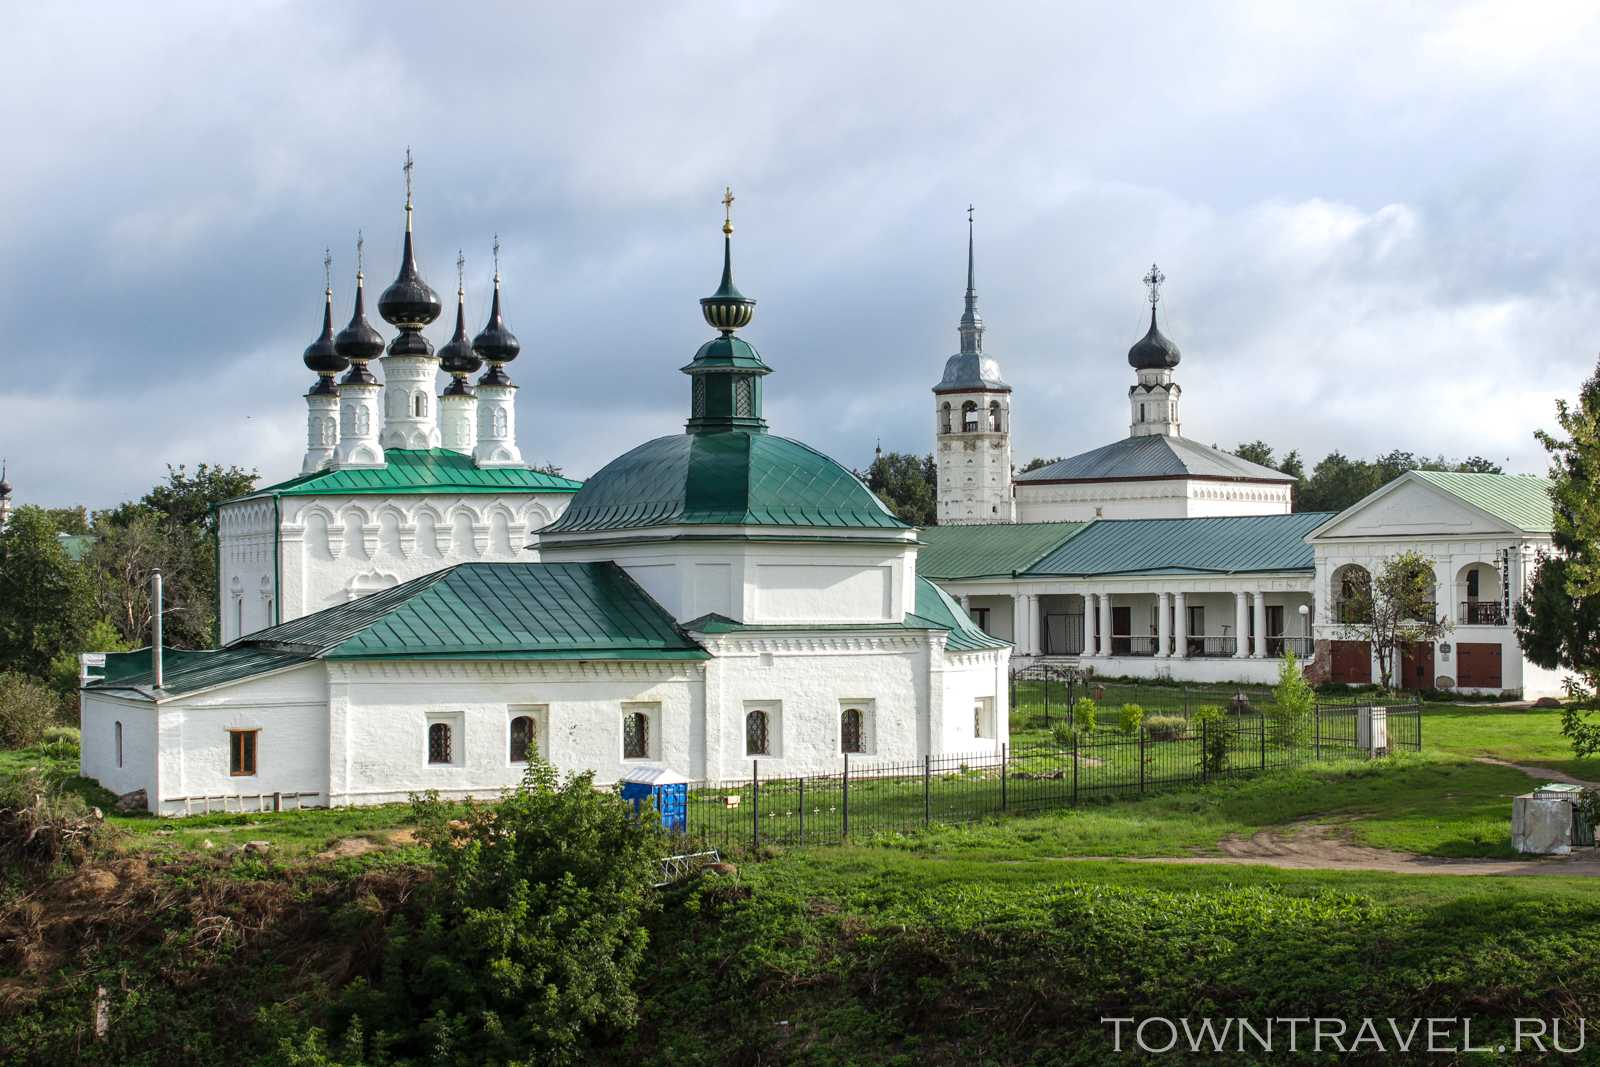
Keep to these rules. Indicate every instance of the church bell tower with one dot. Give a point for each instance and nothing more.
(972, 425)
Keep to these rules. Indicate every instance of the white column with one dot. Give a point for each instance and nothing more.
(1241, 625)
(322, 430)
(1164, 624)
(1260, 650)
(1180, 627)
(1091, 625)
(458, 412)
(359, 422)
(497, 427)
(1105, 624)
(1019, 622)
(1035, 610)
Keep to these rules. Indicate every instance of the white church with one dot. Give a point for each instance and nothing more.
(705, 601)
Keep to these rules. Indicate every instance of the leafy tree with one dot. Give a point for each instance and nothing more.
(73, 520)
(1037, 462)
(27, 709)
(1294, 702)
(1257, 451)
(187, 500)
(531, 933)
(1396, 608)
(1558, 619)
(549, 468)
(46, 601)
(1479, 465)
(908, 484)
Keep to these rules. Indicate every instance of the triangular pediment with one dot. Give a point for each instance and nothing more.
(1411, 508)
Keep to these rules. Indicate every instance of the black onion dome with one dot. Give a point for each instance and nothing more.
(359, 341)
(5, 488)
(1153, 351)
(494, 342)
(409, 302)
(457, 356)
(322, 355)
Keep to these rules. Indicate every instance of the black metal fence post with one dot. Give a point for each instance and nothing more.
(1141, 757)
(1074, 769)
(755, 804)
(1316, 749)
(1205, 753)
(844, 803)
(1261, 724)
(1004, 755)
(802, 809)
(927, 796)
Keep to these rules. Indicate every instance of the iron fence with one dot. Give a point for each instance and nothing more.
(869, 798)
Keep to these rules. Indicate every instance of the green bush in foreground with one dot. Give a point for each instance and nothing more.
(27, 710)
(1294, 703)
(1130, 717)
(1165, 727)
(530, 937)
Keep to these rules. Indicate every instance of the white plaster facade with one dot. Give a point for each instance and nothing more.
(1148, 498)
(972, 453)
(1481, 566)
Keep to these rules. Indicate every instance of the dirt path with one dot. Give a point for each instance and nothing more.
(1547, 774)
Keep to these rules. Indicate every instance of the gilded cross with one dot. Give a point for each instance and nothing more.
(1154, 280)
(727, 209)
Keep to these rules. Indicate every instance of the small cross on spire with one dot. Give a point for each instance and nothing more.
(461, 272)
(969, 214)
(361, 254)
(727, 209)
(1153, 280)
(407, 169)
(327, 269)
(496, 259)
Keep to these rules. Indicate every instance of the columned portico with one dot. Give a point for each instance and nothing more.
(1241, 624)
(1163, 625)
(1107, 646)
(1259, 651)
(1180, 621)
(1091, 624)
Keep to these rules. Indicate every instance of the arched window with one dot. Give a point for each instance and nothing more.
(755, 733)
(522, 742)
(238, 613)
(1141, 413)
(119, 744)
(1353, 593)
(422, 405)
(969, 417)
(440, 749)
(635, 735)
(994, 416)
(501, 426)
(850, 739)
(944, 418)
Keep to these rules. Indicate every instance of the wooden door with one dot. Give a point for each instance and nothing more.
(1416, 665)
(1121, 630)
(1350, 662)
(1478, 665)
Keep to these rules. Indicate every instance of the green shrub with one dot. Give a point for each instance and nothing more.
(60, 743)
(531, 933)
(1165, 727)
(41, 825)
(1217, 728)
(1129, 718)
(27, 710)
(1294, 704)
(1085, 715)
(1063, 734)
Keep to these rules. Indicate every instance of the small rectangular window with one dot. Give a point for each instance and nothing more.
(119, 744)
(983, 717)
(242, 752)
(440, 746)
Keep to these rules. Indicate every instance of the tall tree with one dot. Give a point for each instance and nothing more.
(1394, 609)
(1037, 462)
(908, 484)
(46, 601)
(1558, 618)
(70, 520)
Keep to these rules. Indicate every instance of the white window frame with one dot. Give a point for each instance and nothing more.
(457, 721)
(652, 742)
(540, 714)
(774, 710)
(984, 727)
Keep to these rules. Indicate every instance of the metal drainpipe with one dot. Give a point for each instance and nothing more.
(277, 560)
(155, 628)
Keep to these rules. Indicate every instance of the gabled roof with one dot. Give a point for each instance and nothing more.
(421, 470)
(733, 478)
(553, 611)
(934, 611)
(1235, 544)
(987, 551)
(1153, 456)
(1520, 500)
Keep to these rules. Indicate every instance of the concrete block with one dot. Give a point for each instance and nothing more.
(1372, 731)
(1541, 826)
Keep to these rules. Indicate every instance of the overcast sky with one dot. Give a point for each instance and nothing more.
(1378, 222)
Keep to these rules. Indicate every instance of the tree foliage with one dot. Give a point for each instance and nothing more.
(1338, 480)
(27, 709)
(1558, 618)
(908, 484)
(1394, 608)
(1038, 462)
(46, 600)
(531, 935)
(1294, 703)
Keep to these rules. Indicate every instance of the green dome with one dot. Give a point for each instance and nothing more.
(734, 478)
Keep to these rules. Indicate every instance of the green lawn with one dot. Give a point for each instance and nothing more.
(1531, 736)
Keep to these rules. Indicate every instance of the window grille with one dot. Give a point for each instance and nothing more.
(635, 736)
(522, 743)
(439, 743)
(850, 731)
(755, 733)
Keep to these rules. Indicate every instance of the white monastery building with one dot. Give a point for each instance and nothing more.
(706, 600)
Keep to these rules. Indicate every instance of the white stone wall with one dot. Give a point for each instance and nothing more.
(973, 469)
(1150, 498)
(98, 715)
(248, 589)
(761, 582)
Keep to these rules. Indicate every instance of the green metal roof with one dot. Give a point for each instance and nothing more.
(984, 551)
(76, 546)
(563, 611)
(737, 478)
(423, 470)
(1223, 545)
(1518, 499)
(935, 610)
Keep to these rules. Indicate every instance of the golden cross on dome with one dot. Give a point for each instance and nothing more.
(727, 209)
